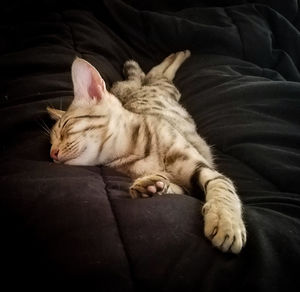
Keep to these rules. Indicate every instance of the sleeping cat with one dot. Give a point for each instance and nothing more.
(148, 135)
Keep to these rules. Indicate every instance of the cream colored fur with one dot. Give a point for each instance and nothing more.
(145, 133)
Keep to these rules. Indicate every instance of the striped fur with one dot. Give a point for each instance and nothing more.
(140, 129)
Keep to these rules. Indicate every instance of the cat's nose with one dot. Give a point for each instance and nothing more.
(54, 153)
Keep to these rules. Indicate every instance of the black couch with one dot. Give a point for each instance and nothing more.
(77, 227)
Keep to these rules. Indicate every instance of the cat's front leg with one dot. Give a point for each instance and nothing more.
(153, 184)
(223, 222)
(222, 211)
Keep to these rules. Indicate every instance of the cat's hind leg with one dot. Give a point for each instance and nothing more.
(158, 70)
(169, 66)
(177, 62)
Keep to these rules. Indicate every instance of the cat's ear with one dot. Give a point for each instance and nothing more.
(89, 87)
(54, 113)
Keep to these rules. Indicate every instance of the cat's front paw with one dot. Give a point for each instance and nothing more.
(224, 226)
(149, 185)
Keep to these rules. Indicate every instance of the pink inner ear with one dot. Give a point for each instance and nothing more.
(93, 91)
(97, 86)
(87, 82)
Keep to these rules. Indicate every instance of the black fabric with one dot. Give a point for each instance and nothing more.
(77, 227)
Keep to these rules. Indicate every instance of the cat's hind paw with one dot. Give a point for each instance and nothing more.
(149, 185)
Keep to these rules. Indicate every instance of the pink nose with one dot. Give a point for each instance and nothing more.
(54, 153)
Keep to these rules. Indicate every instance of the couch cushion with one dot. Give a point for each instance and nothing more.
(77, 225)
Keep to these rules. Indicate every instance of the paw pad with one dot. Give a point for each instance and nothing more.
(157, 188)
(149, 186)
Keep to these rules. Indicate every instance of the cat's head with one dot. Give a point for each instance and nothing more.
(80, 132)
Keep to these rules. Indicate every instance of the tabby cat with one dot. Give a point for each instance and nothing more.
(139, 128)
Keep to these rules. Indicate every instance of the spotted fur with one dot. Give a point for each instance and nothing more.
(140, 128)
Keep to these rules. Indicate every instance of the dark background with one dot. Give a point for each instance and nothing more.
(76, 227)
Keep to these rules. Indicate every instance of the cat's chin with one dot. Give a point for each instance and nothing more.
(78, 161)
(71, 161)
(63, 162)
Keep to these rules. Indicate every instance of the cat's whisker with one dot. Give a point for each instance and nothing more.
(49, 104)
(45, 129)
(45, 134)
